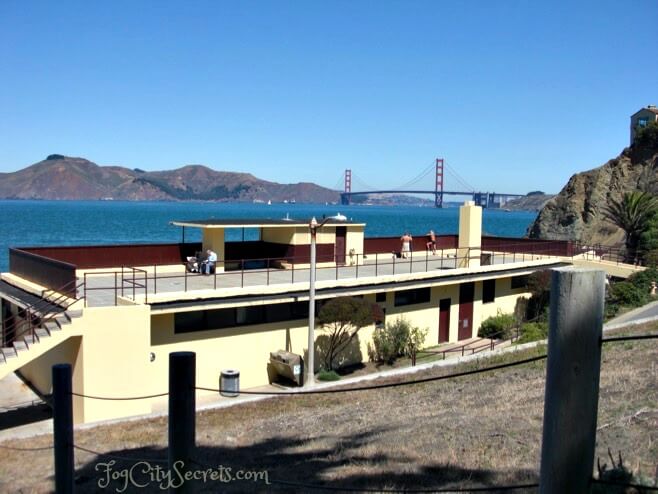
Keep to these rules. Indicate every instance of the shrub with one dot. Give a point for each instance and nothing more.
(499, 326)
(643, 279)
(325, 375)
(390, 342)
(532, 331)
(628, 294)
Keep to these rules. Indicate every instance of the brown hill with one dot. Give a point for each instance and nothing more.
(62, 177)
(575, 213)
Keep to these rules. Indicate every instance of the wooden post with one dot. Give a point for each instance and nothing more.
(182, 382)
(63, 428)
(572, 380)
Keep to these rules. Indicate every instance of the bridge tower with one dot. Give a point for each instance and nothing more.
(438, 189)
(346, 196)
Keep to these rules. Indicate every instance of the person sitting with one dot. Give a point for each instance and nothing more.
(192, 264)
(208, 266)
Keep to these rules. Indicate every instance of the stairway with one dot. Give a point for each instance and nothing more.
(31, 345)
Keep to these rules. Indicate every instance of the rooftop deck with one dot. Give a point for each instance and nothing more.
(154, 273)
(153, 284)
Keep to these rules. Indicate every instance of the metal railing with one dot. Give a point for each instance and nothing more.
(130, 282)
(53, 303)
(474, 346)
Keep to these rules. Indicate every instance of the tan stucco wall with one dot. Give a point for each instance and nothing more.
(505, 302)
(39, 371)
(115, 360)
(213, 238)
(470, 234)
(354, 240)
(281, 235)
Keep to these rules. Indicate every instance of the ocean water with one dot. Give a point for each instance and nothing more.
(34, 223)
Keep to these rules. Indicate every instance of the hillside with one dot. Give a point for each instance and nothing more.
(530, 202)
(575, 213)
(473, 431)
(63, 177)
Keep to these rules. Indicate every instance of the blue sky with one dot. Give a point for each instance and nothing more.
(515, 95)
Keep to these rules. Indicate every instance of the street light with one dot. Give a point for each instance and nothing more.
(310, 364)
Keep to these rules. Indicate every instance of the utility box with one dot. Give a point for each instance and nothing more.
(229, 383)
(286, 368)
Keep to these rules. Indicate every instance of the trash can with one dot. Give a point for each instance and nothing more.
(286, 366)
(229, 383)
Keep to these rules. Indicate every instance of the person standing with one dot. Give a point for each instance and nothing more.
(431, 242)
(406, 245)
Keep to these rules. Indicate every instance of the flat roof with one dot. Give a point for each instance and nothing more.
(259, 222)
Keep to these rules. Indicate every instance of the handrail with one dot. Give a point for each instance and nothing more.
(39, 313)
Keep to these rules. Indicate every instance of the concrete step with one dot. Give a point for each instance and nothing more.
(20, 346)
(52, 326)
(42, 333)
(62, 320)
(73, 313)
(8, 353)
(31, 340)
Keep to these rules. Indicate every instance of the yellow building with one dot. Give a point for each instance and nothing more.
(116, 312)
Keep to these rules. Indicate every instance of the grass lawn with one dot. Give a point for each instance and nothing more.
(480, 430)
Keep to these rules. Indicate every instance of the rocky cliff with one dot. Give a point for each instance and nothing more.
(575, 213)
(63, 177)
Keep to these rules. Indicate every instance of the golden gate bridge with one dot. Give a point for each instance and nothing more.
(438, 169)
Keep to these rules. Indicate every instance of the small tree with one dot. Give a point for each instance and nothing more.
(341, 319)
(415, 341)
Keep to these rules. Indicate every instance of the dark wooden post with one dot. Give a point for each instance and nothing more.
(572, 380)
(63, 428)
(182, 404)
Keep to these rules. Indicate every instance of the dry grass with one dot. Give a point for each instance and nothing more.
(481, 430)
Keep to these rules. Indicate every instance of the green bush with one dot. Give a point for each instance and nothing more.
(499, 326)
(642, 280)
(532, 331)
(390, 342)
(629, 294)
(325, 375)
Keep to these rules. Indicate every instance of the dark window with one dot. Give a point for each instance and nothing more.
(519, 281)
(203, 320)
(488, 291)
(380, 297)
(409, 297)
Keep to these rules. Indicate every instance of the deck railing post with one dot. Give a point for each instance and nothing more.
(116, 290)
(293, 272)
(394, 256)
(182, 404)
(185, 276)
(376, 263)
(427, 257)
(572, 380)
(63, 428)
(155, 279)
(357, 266)
(241, 273)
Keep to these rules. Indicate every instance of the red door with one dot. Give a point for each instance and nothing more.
(444, 320)
(341, 233)
(466, 294)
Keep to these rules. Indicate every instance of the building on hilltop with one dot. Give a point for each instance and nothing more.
(116, 312)
(642, 118)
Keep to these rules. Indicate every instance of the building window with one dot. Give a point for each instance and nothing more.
(519, 282)
(380, 297)
(642, 122)
(204, 320)
(409, 297)
(488, 291)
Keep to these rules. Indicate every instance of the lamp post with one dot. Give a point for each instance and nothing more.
(310, 360)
